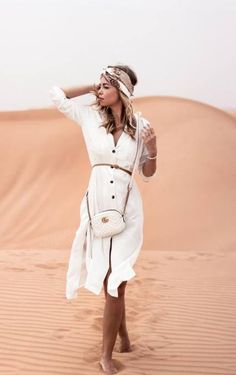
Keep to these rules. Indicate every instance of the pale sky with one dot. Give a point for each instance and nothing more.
(183, 48)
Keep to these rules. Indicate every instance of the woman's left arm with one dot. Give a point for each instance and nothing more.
(149, 139)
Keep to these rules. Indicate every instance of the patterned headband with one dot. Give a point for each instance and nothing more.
(121, 80)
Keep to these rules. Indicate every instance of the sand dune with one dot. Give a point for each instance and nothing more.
(181, 305)
(231, 111)
(45, 169)
(180, 316)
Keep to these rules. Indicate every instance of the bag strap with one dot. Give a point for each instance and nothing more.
(88, 206)
(129, 187)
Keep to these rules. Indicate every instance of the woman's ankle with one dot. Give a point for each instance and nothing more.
(106, 357)
(124, 335)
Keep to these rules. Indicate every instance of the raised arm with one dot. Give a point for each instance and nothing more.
(63, 100)
(72, 92)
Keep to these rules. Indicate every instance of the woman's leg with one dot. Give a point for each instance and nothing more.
(113, 312)
(123, 333)
(114, 307)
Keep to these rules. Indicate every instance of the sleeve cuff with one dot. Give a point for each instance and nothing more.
(57, 95)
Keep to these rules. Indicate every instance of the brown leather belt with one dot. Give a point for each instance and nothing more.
(114, 166)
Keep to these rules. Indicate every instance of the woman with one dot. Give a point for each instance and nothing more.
(109, 130)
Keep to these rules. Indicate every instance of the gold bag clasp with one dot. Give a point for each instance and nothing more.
(105, 219)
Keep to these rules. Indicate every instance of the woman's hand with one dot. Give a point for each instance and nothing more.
(96, 88)
(149, 139)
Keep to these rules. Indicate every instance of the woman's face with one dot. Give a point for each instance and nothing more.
(107, 94)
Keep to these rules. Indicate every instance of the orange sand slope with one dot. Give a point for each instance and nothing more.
(181, 305)
(180, 312)
(189, 205)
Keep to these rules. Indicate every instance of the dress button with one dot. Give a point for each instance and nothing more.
(111, 181)
(113, 150)
(113, 196)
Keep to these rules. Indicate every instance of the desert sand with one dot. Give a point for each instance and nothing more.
(180, 306)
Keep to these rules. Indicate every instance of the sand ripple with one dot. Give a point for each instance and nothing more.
(180, 314)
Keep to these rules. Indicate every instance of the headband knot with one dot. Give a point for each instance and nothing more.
(121, 78)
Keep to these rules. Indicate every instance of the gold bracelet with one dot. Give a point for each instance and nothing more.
(151, 158)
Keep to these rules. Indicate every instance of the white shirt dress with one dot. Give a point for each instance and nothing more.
(107, 186)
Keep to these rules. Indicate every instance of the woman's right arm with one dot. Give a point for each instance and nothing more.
(62, 99)
(72, 92)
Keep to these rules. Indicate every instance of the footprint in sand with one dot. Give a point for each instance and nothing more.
(60, 333)
(141, 350)
(170, 257)
(131, 313)
(149, 279)
(83, 314)
(205, 256)
(97, 323)
(146, 268)
(191, 258)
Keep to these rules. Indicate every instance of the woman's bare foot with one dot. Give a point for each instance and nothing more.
(125, 345)
(108, 366)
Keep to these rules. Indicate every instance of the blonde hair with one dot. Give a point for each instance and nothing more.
(127, 114)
